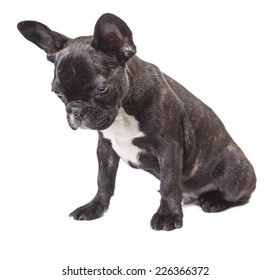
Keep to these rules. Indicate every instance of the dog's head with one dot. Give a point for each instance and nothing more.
(90, 76)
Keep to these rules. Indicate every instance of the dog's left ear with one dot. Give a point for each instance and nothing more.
(113, 37)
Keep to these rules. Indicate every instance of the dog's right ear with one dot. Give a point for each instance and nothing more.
(42, 36)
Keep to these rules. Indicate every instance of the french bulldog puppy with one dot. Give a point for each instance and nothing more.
(145, 118)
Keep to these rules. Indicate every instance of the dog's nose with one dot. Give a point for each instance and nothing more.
(78, 112)
(78, 109)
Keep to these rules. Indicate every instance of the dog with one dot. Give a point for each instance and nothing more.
(145, 118)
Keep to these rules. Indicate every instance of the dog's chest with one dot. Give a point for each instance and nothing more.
(121, 134)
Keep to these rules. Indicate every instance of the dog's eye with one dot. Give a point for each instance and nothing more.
(101, 92)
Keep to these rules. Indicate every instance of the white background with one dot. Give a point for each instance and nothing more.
(219, 50)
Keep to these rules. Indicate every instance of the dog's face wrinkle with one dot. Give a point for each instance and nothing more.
(80, 70)
(74, 75)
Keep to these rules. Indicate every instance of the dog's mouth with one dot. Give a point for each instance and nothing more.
(100, 123)
(82, 114)
(89, 121)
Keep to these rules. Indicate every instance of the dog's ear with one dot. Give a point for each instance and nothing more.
(113, 37)
(39, 34)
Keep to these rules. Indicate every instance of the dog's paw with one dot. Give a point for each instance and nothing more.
(90, 211)
(212, 202)
(166, 221)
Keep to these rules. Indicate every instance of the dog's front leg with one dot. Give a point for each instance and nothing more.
(108, 162)
(169, 214)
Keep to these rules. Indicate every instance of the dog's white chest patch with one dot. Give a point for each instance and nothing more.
(121, 133)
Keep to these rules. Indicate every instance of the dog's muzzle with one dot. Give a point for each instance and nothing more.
(76, 112)
(84, 115)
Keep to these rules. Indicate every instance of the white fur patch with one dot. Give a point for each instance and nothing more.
(121, 134)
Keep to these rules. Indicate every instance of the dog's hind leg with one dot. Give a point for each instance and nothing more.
(234, 179)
